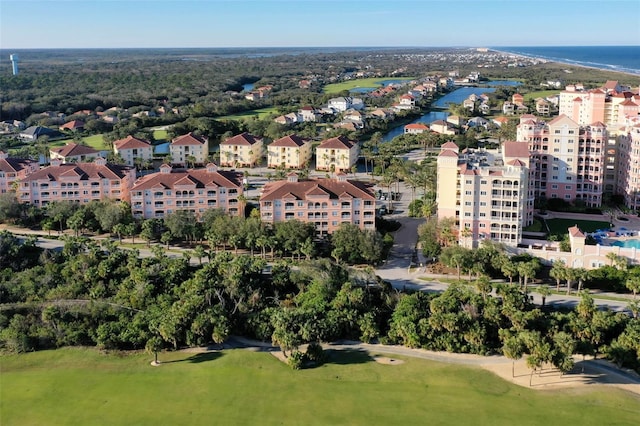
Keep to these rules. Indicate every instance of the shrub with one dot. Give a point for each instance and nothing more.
(296, 360)
(315, 353)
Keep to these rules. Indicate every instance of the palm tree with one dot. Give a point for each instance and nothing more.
(558, 272)
(543, 291)
(633, 284)
(581, 275)
(528, 270)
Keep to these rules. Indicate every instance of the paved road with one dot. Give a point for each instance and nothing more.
(396, 271)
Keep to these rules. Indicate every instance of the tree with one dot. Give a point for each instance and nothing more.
(454, 257)
(513, 348)
(528, 270)
(558, 272)
(153, 346)
(633, 284)
(544, 291)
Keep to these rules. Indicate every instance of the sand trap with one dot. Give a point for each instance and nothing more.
(387, 361)
(550, 378)
(279, 355)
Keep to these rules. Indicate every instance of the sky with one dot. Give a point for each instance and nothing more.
(27, 24)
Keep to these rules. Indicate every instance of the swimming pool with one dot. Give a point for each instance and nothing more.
(627, 244)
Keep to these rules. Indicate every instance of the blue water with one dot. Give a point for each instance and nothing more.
(247, 87)
(427, 118)
(496, 83)
(459, 95)
(611, 58)
(627, 244)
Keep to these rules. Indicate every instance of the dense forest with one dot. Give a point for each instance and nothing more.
(102, 295)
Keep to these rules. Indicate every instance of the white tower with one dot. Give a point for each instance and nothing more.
(14, 63)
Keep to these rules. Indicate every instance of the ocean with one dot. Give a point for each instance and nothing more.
(611, 58)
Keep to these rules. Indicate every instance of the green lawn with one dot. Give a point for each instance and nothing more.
(260, 113)
(85, 387)
(539, 94)
(160, 135)
(94, 141)
(560, 226)
(362, 82)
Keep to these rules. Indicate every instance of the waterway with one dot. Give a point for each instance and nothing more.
(455, 97)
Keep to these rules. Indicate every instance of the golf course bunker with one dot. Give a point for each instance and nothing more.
(387, 361)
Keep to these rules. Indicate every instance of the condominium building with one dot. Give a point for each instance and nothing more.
(162, 193)
(291, 152)
(77, 182)
(13, 170)
(189, 149)
(628, 166)
(243, 150)
(610, 104)
(133, 150)
(486, 193)
(327, 203)
(337, 154)
(567, 159)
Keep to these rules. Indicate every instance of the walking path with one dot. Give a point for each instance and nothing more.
(586, 372)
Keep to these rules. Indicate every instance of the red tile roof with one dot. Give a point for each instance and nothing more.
(72, 150)
(188, 139)
(292, 141)
(244, 139)
(75, 124)
(447, 153)
(574, 231)
(515, 149)
(449, 145)
(131, 142)
(300, 190)
(417, 126)
(14, 165)
(199, 177)
(340, 142)
(83, 171)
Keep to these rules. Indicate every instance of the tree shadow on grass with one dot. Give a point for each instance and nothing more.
(197, 358)
(347, 356)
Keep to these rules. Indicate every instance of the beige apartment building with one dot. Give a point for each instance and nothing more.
(337, 154)
(291, 152)
(133, 150)
(486, 192)
(243, 150)
(189, 150)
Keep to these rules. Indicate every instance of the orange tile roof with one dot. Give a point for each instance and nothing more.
(417, 126)
(300, 190)
(292, 141)
(574, 231)
(14, 165)
(72, 150)
(515, 149)
(131, 142)
(244, 139)
(199, 178)
(82, 171)
(340, 142)
(188, 139)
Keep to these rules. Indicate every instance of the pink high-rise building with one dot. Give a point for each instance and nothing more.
(567, 159)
